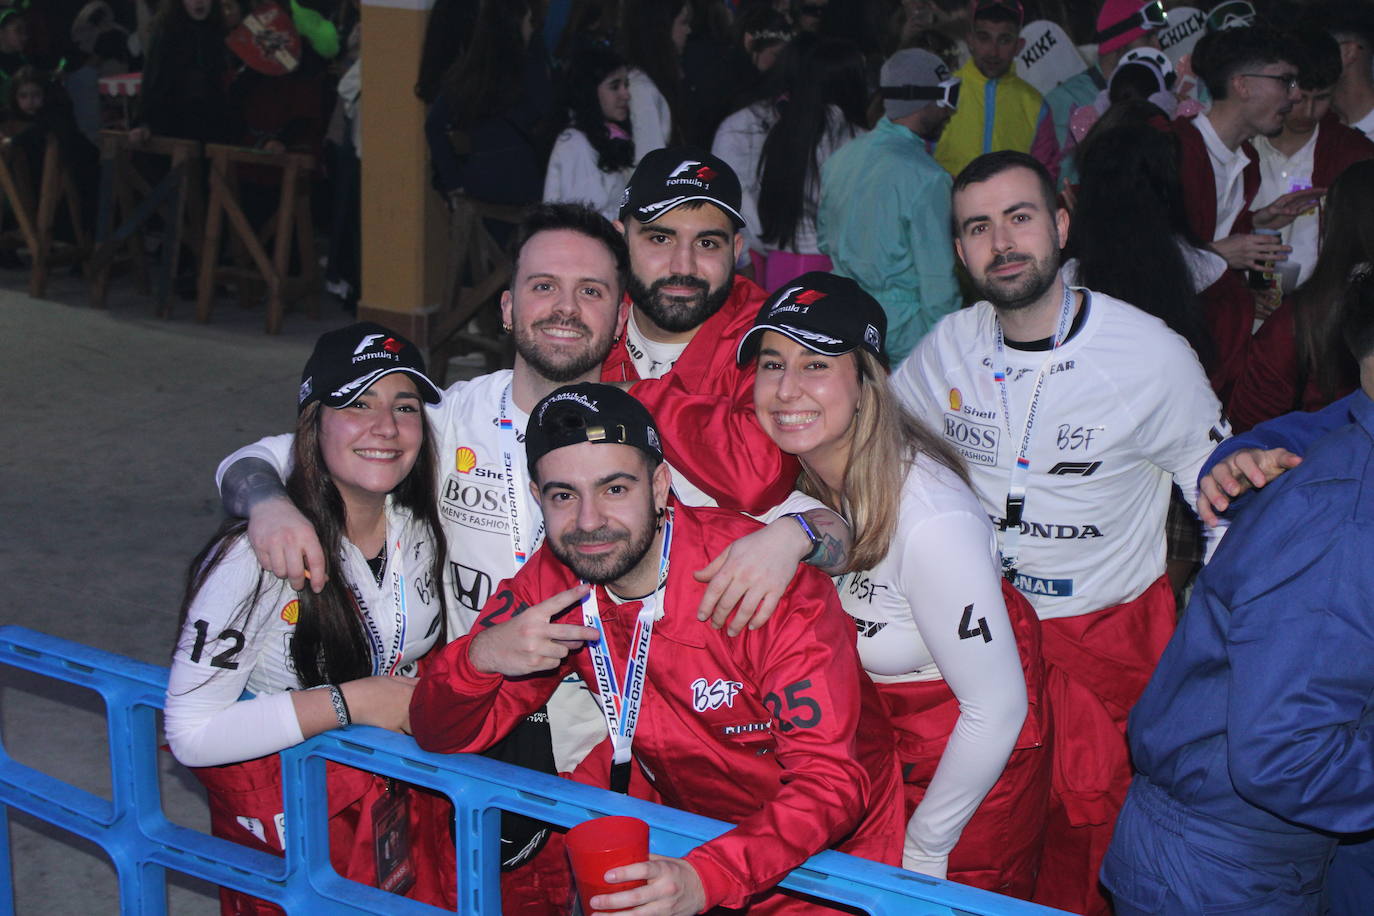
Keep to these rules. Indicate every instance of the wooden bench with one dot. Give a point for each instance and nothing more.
(290, 226)
(128, 201)
(478, 270)
(35, 214)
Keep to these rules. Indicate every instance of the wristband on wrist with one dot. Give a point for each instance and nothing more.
(811, 536)
(336, 699)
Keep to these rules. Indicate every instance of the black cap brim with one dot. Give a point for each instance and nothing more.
(823, 344)
(429, 392)
(655, 210)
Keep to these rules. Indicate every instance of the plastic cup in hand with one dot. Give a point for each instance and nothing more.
(604, 843)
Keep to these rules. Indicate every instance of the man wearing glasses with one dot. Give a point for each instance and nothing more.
(1253, 81)
(884, 212)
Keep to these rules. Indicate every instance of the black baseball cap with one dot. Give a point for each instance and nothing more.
(590, 412)
(824, 312)
(669, 177)
(347, 361)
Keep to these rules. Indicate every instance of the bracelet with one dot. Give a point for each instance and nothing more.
(811, 535)
(336, 699)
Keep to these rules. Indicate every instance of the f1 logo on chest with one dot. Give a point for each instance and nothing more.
(715, 694)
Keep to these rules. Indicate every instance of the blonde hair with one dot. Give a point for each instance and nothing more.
(886, 440)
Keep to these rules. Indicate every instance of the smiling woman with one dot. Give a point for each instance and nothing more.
(364, 476)
(953, 648)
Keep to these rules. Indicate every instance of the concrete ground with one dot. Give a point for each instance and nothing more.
(114, 422)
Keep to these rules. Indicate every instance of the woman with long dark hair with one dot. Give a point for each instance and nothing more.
(183, 92)
(498, 95)
(653, 35)
(778, 144)
(1129, 237)
(364, 471)
(953, 648)
(1298, 360)
(592, 159)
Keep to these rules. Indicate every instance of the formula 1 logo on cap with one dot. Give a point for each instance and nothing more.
(706, 173)
(391, 345)
(810, 297)
(366, 342)
(683, 166)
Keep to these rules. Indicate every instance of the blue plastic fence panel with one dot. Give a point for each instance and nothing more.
(143, 844)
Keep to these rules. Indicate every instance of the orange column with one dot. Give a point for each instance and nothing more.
(404, 227)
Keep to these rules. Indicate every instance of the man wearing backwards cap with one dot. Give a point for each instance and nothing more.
(1122, 25)
(884, 212)
(776, 730)
(681, 218)
(1000, 110)
(563, 309)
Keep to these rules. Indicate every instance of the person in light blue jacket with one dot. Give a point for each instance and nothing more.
(884, 217)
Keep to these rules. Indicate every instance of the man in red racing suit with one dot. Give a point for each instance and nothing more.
(776, 729)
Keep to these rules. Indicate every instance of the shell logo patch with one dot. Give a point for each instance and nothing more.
(292, 611)
(464, 459)
(956, 400)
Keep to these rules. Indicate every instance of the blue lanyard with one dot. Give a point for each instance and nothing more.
(1016, 488)
(620, 699)
(516, 507)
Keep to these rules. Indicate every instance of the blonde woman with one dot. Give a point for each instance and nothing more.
(938, 628)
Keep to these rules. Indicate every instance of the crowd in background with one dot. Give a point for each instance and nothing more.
(1226, 193)
(559, 100)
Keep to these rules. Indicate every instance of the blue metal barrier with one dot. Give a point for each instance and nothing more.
(143, 844)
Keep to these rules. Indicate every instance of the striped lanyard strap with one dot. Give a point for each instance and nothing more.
(517, 509)
(620, 698)
(387, 658)
(1010, 529)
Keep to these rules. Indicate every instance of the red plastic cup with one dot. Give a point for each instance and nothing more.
(604, 843)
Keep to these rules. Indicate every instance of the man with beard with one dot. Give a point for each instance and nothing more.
(1075, 412)
(681, 220)
(1000, 110)
(564, 308)
(776, 730)
(884, 212)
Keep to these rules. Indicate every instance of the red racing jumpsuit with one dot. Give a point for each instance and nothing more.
(1000, 847)
(705, 410)
(253, 789)
(776, 730)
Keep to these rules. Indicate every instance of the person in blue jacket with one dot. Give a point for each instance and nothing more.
(1254, 742)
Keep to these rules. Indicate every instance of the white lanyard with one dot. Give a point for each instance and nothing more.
(1020, 469)
(620, 699)
(386, 659)
(516, 508)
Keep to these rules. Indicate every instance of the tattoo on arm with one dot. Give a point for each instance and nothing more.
(836, 539)
(248, 482)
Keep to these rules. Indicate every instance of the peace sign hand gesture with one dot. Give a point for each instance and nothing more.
(530, 641)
